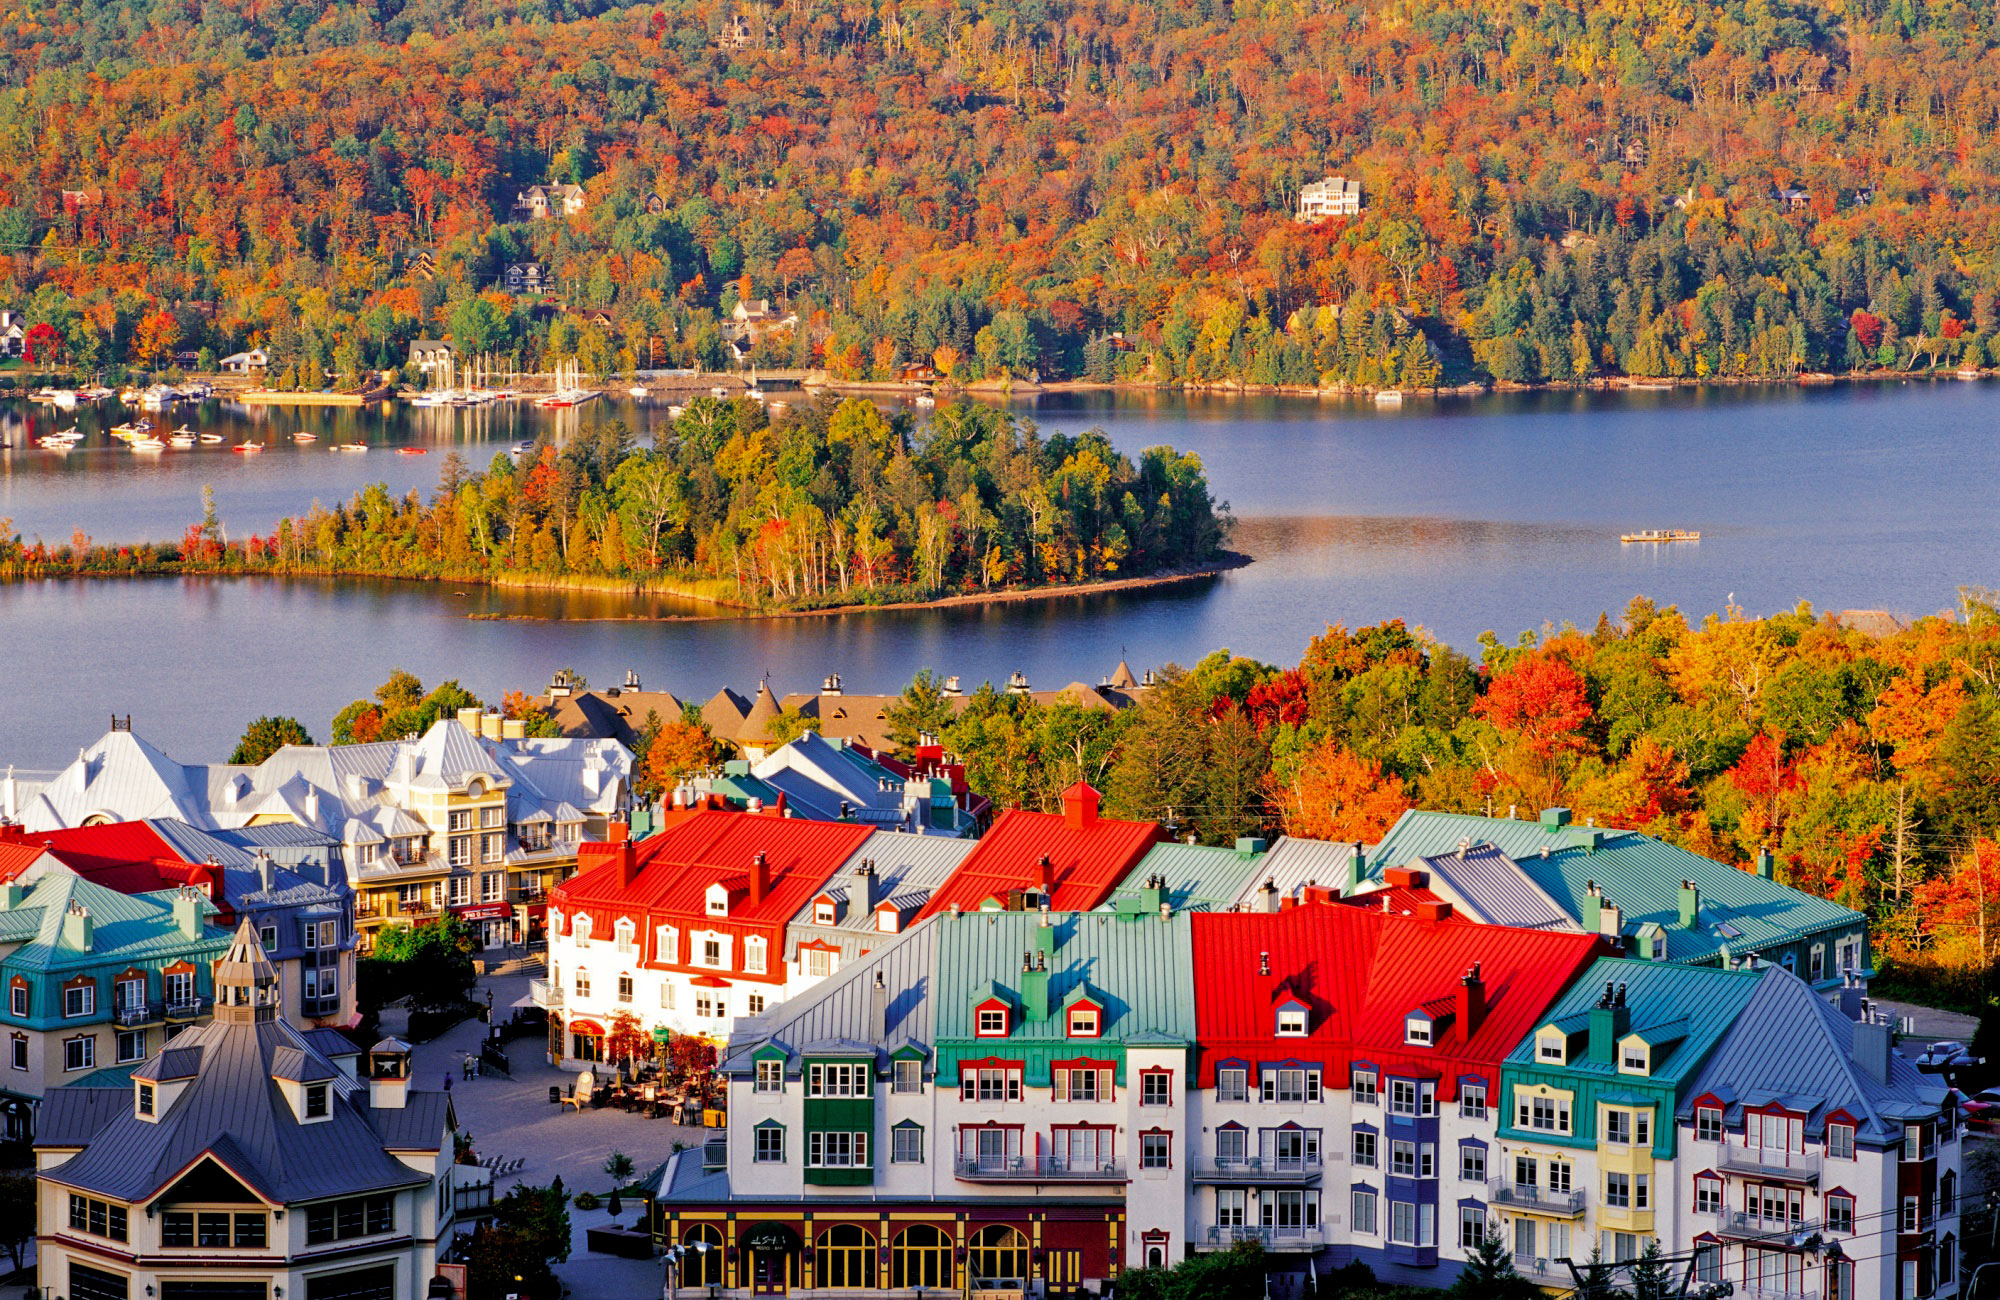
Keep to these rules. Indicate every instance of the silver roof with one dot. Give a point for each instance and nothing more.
(842, 1007)
(1292, 863)
(907, 868)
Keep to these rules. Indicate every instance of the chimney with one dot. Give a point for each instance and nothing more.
(1610, 1020)
(1034, 988)
(513, 728)
(469, 718)
(1045, 877)
(77, 928)
(1357, 870)
(831, 686)
(312, 804)
(1593, 906)
(628, 860)
(1852, 995)
(1766, 865)
(1267, 897)
(952, 687)
(1873, 1046)
(878, 1009)
(1610, 921)
(1263, 963)
(267, 877)
(618, 830)
(1471, 1002)
(867, 883)
(1433, 910)
(187, 913)
(1690, 904)
(388, 1075)
(1554, 819)
(489, 725)
(11, 894)
(760, 877)
(1152, 893)
(1080, 807)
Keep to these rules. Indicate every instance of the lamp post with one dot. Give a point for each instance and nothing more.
(1972, 1283)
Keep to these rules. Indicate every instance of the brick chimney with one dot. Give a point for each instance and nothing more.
(628, 858)
(760, 877)
(1045, 876)
(1471, 1002)
(1080, 803)
(620, 830)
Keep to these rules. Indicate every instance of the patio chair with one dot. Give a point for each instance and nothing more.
(580, 1096)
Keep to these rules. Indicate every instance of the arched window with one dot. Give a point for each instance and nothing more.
(846, 1257)
(998, 1251)
(701, 1267)
(922, 1257)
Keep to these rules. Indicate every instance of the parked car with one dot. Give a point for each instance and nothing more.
(1940, 1057)
(1983, 1108)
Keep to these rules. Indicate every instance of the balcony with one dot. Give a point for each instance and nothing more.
(323, 1006)
(545, 994)
(138, 1013)
(1772, 1230)
(1291, 1170)
(1751, 1291)
(187, 1008)
(1536, 1266)
(1222, 1238)
(1770, 1166)
(1524, 1196)
(1037, 1169)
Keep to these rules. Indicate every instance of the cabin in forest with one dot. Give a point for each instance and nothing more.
(540, 202)
(429, 355)
(1336, 196)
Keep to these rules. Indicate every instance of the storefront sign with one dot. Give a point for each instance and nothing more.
(770, 1236)
(483, 912)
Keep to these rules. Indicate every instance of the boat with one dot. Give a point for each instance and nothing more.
(520, 451)
(675, 412)
(636, 390)
(211, 437)
(923, 399)
(438, 397)
(61, 397)
(146, 442)
(303, 436)
(410, 451)
(181, 438)
(247, 448)
(350, 446)
(1389, 397)
(95, 393)
(1661, 535)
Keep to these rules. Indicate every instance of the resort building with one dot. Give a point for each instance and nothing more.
(474, 818)
(833, 780)
(244, 1162)
(95, 980)
(1068, 861)
(875, 895)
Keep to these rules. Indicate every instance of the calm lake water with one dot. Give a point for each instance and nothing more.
(1462, 515)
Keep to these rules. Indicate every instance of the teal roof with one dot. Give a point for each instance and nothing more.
(126, 928)
(1639, 874)
(1702, 1000)
(1199, 877)
(117, 1076)
(1137, 967)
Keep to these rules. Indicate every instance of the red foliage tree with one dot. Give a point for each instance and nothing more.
(1867, 328)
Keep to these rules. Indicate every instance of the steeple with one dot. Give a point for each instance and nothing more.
(246, 984)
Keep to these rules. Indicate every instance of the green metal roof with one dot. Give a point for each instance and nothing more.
(1199, 877)
(1137, 966)
(125, 927)
(1702, 1001)
(1639, 874)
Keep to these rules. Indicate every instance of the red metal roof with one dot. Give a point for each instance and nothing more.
(1362, 973)
(1402, 900)
(16, 858)
(1088, 855)
(130, 857)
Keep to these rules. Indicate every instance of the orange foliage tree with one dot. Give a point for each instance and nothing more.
(1335, 794)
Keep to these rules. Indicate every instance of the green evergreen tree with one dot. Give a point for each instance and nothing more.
(1489, 1274)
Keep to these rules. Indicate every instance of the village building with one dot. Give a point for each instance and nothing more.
(430, 356)
(542, 202)
(243, 363)
(246, 1161)
(1068, 861)
(1335, 196)
(525, 277)
(833, 780)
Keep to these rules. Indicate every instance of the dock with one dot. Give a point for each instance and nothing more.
(1660, 535)
(278, 397)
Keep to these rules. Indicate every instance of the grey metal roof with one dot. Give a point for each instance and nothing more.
(330, 1043)
(72, 1116)
(1292, 863)
(907, 868)
(1496, 889)
(181, 1061)
(1791, 1045)
(842, 1006)
(234, 1110)
(1199, 877)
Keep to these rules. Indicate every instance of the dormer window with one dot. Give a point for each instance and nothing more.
(581, 927)
(888, 920)
(1417, 1031)
(1634, 1058)
(1552, 1048)
(1291, 1021)
(823, 911)
(1084, 1021)
(992, 1021)
(718, 900)
(317, 1101)
(144, 1103)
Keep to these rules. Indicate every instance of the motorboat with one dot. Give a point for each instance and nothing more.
(636, 390)
(303, 436)
(247, 448)
(410, 451)
(181, 438)
(211, 437)
(146, 442)
(350, 446)
(926, 400)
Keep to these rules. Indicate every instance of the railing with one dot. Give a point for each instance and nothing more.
(185, 1008)
(141, 1013)
(715, 1154)
(321, 1006)
(1759, 1227)
(1750, 1291)
(1292, 1238)
(1256, 1169)
(1505, 1191)
(1779, 1166)
(545, 994)
(1037, 1169)
(1539, 1266)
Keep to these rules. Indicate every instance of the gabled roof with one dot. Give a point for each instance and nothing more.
(842, 1007)
(1294, 863)
(121, 777)
(1089, 854)
(142, 857)
(1197, 876)
(1792, 1043)
(1705, 999)
(907, 868)
(677, 867)
(125, 927)
(1136, 968)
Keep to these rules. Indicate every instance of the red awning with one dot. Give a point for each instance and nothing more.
(588, 1028)
(709, 982)
(483, 912)
(535, 911)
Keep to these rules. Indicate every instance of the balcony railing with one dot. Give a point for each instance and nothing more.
(1751, 1291)
(1037, 1169)
(321, 1006)
(1298, 1238)
(187, 1008)
(138, 1013)
(1740, 1226)
(1257, 1169)
(1774, 1166)
(545, 994)
(1505, 1191)
(1539, 1266)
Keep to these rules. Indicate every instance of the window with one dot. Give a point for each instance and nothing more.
(1526, 1172)
(491, 817)
(1708, 1262)
(354, 1216)
(1292, 1022)
(145, 1099)
(1427, 1097)
(177, 1228)
(714, 950)
(1083, 1022)
(718, 901)
(1403, 1222)
(1232, 1085)
(770, 1076)
(754, 961)
(909, 1076)
(1364, 1149)
(624, 988)
(1912, 1214)
(669, 994)
(1472, 1101)
(1840, 1214)
(1840, 1141)
(1551, 1048)
(1364, 1211)
(1232, 1146)
(80, 1000)
(492, 848)
(1816, 963)
(1548, 1114)
(1403, 1159)
(1633, 1058)
(1402, 1096)
(1471, 1228)
(461, 856)
(1231, 1204)
(1471, 1163)
(1707, 1124)
(755, 1004)
(211, 1229)
(582, 982)
(991, 1084)
(1091, 1084)
(98, 1218)
(837, 1150)
(906, 1145)
(1363, 1089)
(1708, 1197)
(460, 819)
(992, 1022)
(1947, 1262)
(316, 1101)
(1291, 1086)
(923, 1258)
(819, 962)
(846, 1257)
(1947, 1198)
(80, 1053)
(837, 1080)
(666, 944)
(1559, 1173)
(17, 1001)
(251, 1232)
(1155, 1151)
(1618, 1127)
(458, 891)
(823, 913)
(770, 1148)
(131, 1046)
(18, 1052)
(1417, 1030)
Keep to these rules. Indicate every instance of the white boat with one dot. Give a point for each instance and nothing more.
(211, 437)
(438, 397)
(303, 436)
(157, 398)
(146, 442)
(95, 393)
(674, 412)
(350, 446)
(62, 397)
(925, 399)
(1388, 397)
(181, 438)
(636, 390)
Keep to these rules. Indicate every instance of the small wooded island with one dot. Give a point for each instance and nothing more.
(825, 505)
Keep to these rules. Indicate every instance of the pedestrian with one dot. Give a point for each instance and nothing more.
(447, 1080)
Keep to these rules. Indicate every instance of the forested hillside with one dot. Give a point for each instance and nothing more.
(1080, 188)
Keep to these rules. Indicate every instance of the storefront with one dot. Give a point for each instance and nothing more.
(774, 1252)
(586, 1040)
(492, 922)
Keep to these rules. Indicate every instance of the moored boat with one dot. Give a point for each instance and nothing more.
(1661, 535)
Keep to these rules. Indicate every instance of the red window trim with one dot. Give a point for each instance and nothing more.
(1145, 1133)
(992, 1004)
(1152, 1072)
(79, 982)
(1083, 1063)
(991, 1063)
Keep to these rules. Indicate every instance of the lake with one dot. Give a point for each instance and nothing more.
(1460, 514)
